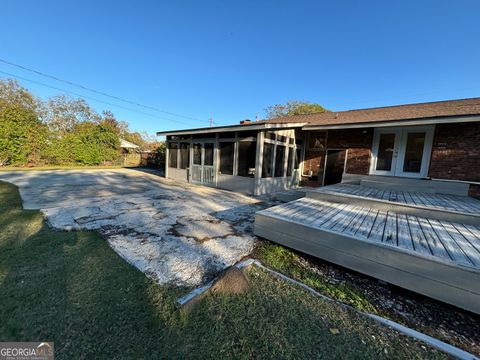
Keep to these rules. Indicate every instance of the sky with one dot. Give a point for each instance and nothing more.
(229, 60)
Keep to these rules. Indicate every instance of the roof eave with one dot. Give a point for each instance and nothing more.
(243, 127)
(390, 123)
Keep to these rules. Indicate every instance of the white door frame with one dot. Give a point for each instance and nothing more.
(401, 136)
(427, 149)
(376, 142)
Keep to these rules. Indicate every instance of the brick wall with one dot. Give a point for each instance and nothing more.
(357, 141)
(456, 152)
(315, 157)
(359, 145)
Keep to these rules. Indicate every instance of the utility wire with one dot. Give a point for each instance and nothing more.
(100, 92)
(90, 98)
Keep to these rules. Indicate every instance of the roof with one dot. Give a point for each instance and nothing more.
(253, 125)
(438, 109)
(128, 145)
(447, 111)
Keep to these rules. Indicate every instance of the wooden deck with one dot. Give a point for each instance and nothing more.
(438, 258)
(452, 208)
(461, 204)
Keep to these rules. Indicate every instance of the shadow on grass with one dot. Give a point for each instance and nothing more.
(73, 289)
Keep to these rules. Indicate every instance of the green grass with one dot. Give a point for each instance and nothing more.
(71, 288)
(62, 167)
(287, 262)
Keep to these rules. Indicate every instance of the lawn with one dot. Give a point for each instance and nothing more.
(71, 288)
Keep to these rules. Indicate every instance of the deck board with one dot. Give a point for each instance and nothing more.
(461, 204)
(437, 258)
(458, 243)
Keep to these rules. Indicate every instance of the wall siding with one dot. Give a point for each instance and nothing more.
(456, 152)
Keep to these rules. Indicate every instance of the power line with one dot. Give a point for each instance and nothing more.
(90, 98)
(100, 92)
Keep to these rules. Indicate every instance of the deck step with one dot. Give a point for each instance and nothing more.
(435, 206)
(440, 259)
(289, 195)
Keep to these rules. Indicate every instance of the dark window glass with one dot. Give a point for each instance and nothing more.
(184, 155)
(227, 135)
(267, 163)
(298, 156)
(299, 135)
(280, 161)
(197, 154)
(414, 152)
(247, 134)
(172, 154)
(246, 158)
(226, 157)
(291, 154)
(204, 136)
(270, 135)
(385, 152)
(281, 138)
(208, 154)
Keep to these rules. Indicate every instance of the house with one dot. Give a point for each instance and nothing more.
(438, 141)
(388, 191)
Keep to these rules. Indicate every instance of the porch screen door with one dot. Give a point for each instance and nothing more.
(202, 167)
(402, 151)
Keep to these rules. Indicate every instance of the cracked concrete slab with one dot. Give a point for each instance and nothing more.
(178, 234)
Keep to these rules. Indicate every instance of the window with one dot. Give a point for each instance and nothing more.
(267, 163)
(172, 154)
(208, 149)
(270, 135)
(291, 154)
(184, 155)
(227, 135)
(280, 161)
(246, 158)
(197, 154)
(226, 157)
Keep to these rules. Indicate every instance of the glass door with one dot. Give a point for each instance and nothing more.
(385, 151)
(402, 151)
(414, 151)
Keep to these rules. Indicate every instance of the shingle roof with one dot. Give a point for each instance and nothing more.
(447, 108)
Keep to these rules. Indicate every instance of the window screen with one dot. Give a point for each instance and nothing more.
(246, 158)
(208, 154)
(267, 163)
(197, 154)
(172, 154)
(184, 156)
(291, 154)
(280, 161)
(226, 157)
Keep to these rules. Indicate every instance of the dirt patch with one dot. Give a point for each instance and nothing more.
(233, 282)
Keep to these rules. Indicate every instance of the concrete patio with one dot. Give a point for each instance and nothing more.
(178, 234)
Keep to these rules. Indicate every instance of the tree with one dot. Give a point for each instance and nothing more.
(22, 134)
(293, 107)
(62, 113)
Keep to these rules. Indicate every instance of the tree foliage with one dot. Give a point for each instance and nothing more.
(293, 107)
(59, 131)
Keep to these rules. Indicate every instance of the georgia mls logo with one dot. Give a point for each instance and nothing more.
(26, 351)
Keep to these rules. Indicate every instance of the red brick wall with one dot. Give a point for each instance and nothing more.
(456, 152)
(315, 157)
(357, 141)
(359, 145)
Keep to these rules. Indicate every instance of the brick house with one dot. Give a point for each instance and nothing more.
(438, 142)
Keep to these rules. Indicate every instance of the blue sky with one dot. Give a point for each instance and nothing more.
(231, 59)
